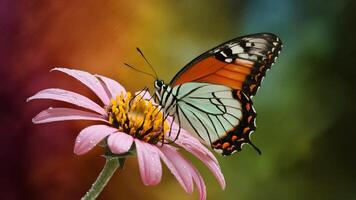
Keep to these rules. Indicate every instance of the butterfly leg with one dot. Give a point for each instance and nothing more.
(177, 135)
(162, 125)
(170, 127)
(179, 126)
(144, 91)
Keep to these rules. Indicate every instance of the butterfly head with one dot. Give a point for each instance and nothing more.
(158, 84)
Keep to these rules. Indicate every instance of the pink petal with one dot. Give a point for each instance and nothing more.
(178, 166)
(113, 87)
(91, 136)
(63, 114)
(69, 97)
(189, 141)
(194, 146)
(198, 179)
(214, 168)
(149, 162)
(186, 170)
(203, 154)
(120, 142)
(89, 80)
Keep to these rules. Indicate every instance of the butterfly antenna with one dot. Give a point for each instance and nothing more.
(149, 64)
(127, 65)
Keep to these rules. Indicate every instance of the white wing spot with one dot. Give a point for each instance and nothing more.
(229, 60)
(243, 55)
(220, 151)
(237, 49)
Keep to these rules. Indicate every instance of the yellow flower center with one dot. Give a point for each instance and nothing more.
(137, 117)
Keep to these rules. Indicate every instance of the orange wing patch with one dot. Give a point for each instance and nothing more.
(203, 68)
(215, 71)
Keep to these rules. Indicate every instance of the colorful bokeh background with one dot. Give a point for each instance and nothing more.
(306, 106)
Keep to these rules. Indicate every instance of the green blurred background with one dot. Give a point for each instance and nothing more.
(306, 106)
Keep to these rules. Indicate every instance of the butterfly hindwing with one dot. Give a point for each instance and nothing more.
(233, 140)
(207, 110)
(221, 117)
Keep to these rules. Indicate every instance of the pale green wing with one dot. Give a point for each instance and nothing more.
(207, 110)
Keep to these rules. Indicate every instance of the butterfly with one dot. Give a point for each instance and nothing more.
(211, 97)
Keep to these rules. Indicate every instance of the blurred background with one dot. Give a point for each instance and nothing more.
(306, 106)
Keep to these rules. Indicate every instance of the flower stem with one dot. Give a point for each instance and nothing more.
(110, 167)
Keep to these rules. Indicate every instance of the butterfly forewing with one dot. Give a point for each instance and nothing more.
(239, 63)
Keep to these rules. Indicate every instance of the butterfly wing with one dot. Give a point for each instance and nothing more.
(221, 117)
(214, 90)
(240, 63)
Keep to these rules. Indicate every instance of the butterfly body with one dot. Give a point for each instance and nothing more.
(211, 96)
(165, 97)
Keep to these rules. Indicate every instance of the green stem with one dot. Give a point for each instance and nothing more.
(110, 167)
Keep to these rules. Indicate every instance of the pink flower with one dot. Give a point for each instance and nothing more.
(126, 120)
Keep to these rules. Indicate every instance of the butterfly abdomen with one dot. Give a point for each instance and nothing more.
(240, 134)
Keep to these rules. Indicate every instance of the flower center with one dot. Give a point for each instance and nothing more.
(137, 117)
